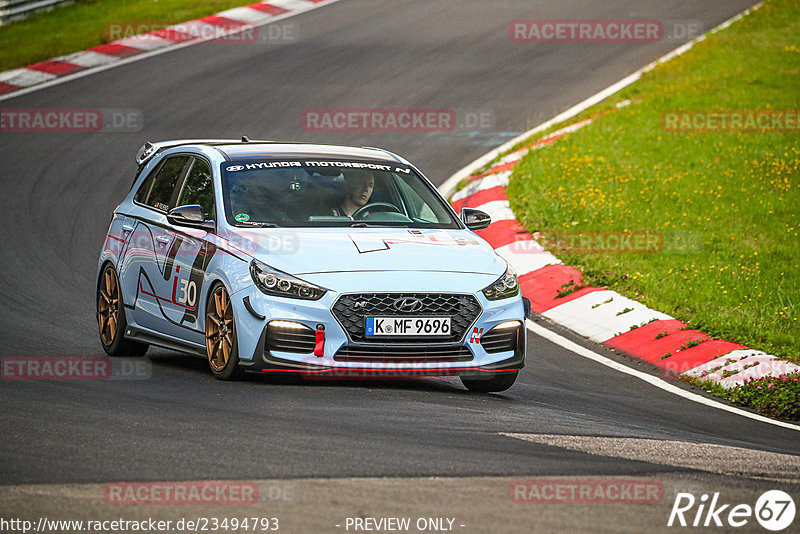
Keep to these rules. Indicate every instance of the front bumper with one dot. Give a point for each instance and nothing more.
(345, 358)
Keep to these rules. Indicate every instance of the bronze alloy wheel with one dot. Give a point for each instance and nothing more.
(111, 317)
(108, 306)
(220, 331)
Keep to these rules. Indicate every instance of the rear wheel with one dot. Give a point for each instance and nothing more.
(111, 317)
(221, 345)
(499, 382)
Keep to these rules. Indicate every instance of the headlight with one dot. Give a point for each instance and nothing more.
(504, 287)
(274, 282)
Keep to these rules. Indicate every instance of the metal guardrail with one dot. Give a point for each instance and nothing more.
(11, 10)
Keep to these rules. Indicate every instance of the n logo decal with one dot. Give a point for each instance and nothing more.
(476, 335)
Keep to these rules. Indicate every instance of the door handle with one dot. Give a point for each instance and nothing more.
(162, 240)
(127, 228)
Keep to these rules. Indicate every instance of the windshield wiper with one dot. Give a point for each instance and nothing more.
(366, 225)
(258, 224)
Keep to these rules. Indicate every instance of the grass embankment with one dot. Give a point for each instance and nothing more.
(726, 203)
(84, 24)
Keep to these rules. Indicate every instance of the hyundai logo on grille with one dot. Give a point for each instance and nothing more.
(407, 304)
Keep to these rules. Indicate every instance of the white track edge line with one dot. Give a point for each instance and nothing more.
(650, 379)
(448, 187)
(144, 55)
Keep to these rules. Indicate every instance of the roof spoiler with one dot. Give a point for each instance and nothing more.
(149, 149)
(399, 158)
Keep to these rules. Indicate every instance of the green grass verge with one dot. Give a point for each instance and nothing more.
(727, 205)
(773, 397)
(83, 25)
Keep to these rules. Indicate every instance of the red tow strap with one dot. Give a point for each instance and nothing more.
(319, 345)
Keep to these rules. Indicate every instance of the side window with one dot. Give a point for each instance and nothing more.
(159, 194)
(147, 185)
(198, 188)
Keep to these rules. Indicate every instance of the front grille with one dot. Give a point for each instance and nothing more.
(500, 340)
(299, 339)
(407, 353)
(351, 309)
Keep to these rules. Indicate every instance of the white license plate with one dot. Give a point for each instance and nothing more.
(407, 326)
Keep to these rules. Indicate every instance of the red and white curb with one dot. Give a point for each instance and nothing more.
(221, 25)
(599, 314)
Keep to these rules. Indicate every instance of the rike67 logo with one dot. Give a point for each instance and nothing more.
(774, 510)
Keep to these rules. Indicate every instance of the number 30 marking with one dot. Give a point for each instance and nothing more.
(188, 293)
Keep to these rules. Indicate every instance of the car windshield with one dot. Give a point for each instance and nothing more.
(330, 193)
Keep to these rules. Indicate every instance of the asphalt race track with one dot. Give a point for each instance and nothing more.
(58, 191)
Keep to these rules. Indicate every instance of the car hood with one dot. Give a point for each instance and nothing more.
(328, 250)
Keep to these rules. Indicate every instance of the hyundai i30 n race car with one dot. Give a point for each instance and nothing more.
(313, 259)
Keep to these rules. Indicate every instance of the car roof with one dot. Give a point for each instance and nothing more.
(246, 149)
(242, 151)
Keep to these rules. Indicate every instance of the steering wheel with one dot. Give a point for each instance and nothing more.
(364, 210)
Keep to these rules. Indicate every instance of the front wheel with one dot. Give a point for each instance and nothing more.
(111, 317)
(221, 345)
(499, 382)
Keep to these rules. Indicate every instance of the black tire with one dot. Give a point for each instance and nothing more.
(111, 317)
(222, 349)
(499, 382)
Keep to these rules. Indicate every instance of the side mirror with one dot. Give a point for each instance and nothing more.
(475, 219)
(191, 216)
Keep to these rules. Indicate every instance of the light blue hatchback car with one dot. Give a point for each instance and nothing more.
(328, 261)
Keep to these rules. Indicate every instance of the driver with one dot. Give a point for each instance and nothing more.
(358, 189)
